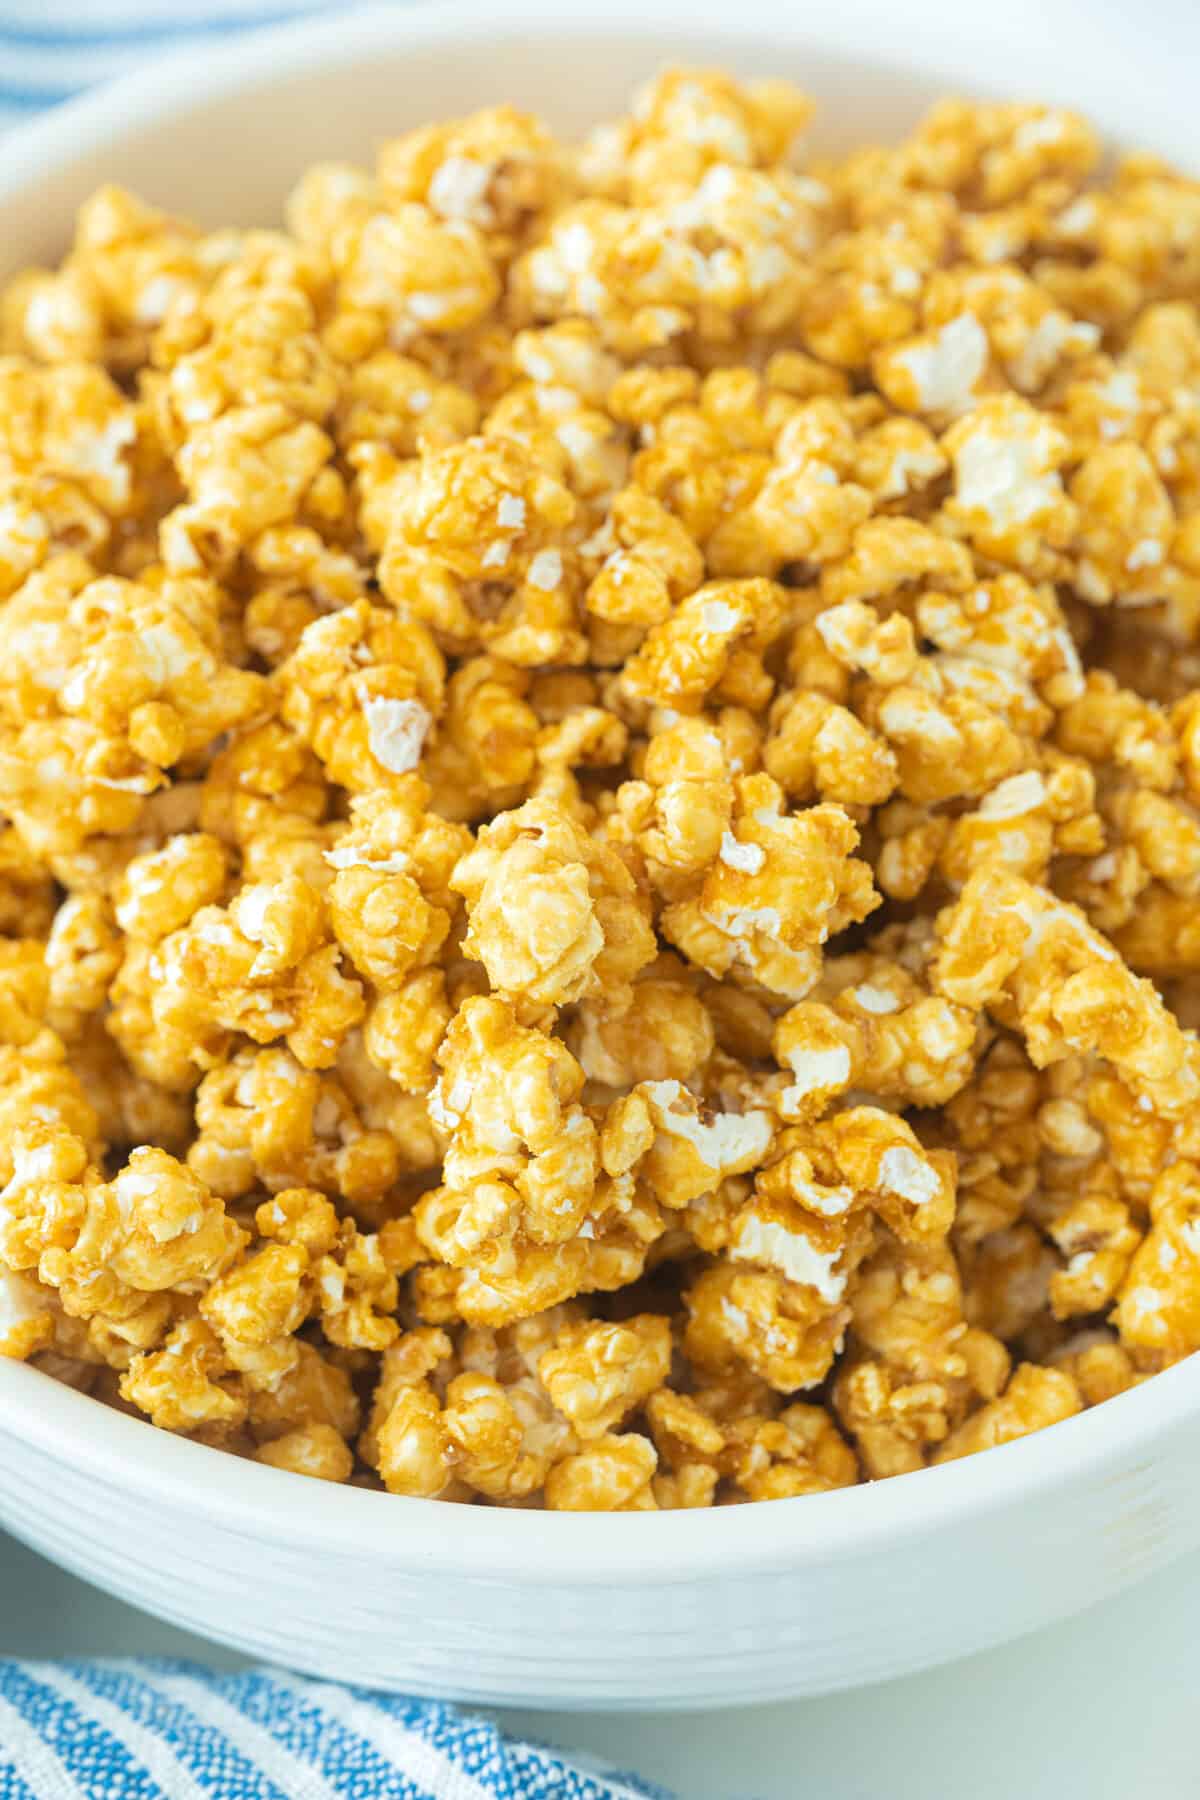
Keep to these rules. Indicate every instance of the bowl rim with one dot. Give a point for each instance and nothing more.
(139, 1460)
(988, 51)
(491, 1544)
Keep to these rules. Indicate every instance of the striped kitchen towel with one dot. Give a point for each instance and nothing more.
(52, 49)
(158, 1730)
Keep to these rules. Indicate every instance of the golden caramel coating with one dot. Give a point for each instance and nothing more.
(680, 1147)
(38, 1083)
(686, 120)
(161, 890)
(552, 915)
(871, 1026)
(390, 904)
(27, 897)
(786, 1332)
(1098, 1365)
(1158, 1308)
(665, 1034)
(526, 1216)
(612, 1474)
(1034, 1398)
(640, 273)
(1013, 946)
(915, 1367)
(485, 752)
(106, 685)
(489, 1429)
(471, 552)
(676, 814)
(265, 967)
(799, 1451)
(713, 641)
(315, 1449)
(820, 750)
(186, 1386)
(597, 1374)
(779, 886)
(26, 1316)
(363, 689)
(600, 803)
(116, 1252)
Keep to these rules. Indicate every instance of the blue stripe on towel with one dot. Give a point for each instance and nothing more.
(138, 34)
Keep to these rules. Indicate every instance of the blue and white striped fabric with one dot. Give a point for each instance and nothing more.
(52, 49)
(155, 1730)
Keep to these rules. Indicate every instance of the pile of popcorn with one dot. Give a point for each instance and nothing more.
(600, 804)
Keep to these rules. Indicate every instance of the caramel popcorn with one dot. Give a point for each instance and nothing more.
(552, 915)
(600, 804)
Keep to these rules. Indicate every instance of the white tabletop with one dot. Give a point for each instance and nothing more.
(1101, 1708)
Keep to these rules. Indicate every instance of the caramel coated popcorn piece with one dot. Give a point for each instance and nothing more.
(787, 1332)
(1065, 988)
(872, 1026)
(818, 749)
(26, 1316)
(315, 1450)
(265, 966)
(418, 273)
(1008, 496)
(520, 1172)
(917, 1367)
(492, 1429)
(682, 1149)
(599, 1374)
(107, 684)
(800, 1451)
(115, 1252)
(499, 170)
(474, 551)
(1158, 1306)
(37, 1083)
(665, 1034)
(613, 1474)
(721, 257)
(807, 1226)
(686, 120)
(735, 1439)
(1034, 1398)
(710, 640)
(553, 915)
(363, 690)
(186, 1386)
(391, 907)
(780, 885)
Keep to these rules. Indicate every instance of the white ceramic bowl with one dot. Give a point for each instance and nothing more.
(682, 1609)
